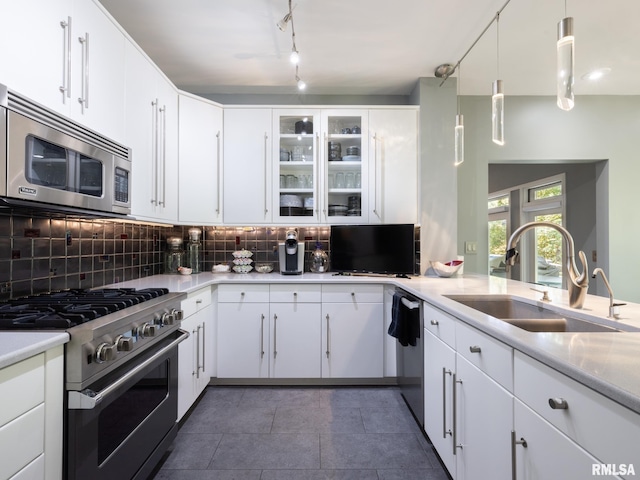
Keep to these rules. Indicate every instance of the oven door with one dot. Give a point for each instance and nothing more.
(121, 426)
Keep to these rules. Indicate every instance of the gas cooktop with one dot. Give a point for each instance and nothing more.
(68, 308)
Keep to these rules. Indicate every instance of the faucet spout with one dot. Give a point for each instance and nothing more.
(577, 282)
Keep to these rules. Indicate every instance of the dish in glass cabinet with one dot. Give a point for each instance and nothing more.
(242, 254)
(242, 268)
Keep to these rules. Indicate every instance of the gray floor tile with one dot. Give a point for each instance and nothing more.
(360, 397)
(319, 475)
(413, 474)
(230, 419)
(209, 475)
(372, 450)
(218, 395)
(393, 419)
(280, 397)
(317, 420)
(267, 451)
(191, 451)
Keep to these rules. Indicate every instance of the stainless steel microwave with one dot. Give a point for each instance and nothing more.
(50, 162)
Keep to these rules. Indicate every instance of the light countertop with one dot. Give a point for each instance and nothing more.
(606, 362)
(16, 346)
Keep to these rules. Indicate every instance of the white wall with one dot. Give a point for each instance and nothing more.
(536, 130)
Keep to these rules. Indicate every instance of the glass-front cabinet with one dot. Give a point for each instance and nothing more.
(345, 157)
(320, 159)
(297, 167)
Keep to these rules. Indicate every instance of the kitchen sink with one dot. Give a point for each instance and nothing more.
(530, 317)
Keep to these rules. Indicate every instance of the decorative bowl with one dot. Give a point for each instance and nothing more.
(242, 261)
(221, 268)
(446, 269)
(264, 267)
(242, 254)
(242, 268)
(184, 270)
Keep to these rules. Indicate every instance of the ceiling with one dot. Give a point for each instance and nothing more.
(380, 47)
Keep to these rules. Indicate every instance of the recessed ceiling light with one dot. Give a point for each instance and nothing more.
(597, 74)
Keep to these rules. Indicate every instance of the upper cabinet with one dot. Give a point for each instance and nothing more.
(152, 134)
(200, 161)
(67, 57)
(247, 166)
(393, 160)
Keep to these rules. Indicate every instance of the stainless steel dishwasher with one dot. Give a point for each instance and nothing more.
(406, 326)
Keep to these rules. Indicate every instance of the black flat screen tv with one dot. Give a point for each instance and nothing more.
(385, 249)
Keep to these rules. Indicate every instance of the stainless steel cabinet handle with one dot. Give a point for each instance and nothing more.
(515, 443)
(375, 174)
(163, 111)
(445, 372)
(455, 414)
(266, 157)
(558, 403)
(275, 334)
(262, 336)
(197, 332)
(65, 88)
(328, 349)
(204, 348)
(316, 182)
(84, 98)
(154, 153)
(475, 349)
(199, 300)
(434, 323)
(218, 162)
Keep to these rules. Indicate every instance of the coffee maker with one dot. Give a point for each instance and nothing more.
(291, 254)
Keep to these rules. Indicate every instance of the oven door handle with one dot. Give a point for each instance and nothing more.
(88, 399)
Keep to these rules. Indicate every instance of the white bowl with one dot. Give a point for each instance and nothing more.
(185, 270)
(264, 268)
(242, 254)
(242, 268)
(221, 268)
(446, 269)
(242, 261)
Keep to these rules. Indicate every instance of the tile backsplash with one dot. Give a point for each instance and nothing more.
(41, 254)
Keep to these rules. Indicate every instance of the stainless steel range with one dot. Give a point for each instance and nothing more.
(121, 368)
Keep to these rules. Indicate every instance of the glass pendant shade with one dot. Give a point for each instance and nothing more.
(497, 113)
(566, 55)
(458, 147)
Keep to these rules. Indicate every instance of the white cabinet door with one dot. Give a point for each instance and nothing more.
(483, 428)
(393, 160)
(243, 340)
(247, 166)
(295, 340)
(352, 340)
(439, 368)
(152, 134)
(200, 151)
(187, 367)
(548, 452)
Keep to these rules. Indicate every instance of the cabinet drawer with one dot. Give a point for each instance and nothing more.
(291, 292)
(196, 301)
(347, 293)
(488, 354)
(243, 293)
(21, 441)
(440, 324)
(33, 471)
(21, 387)
(604, 428)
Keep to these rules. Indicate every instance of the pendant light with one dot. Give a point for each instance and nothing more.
(497, 96)
(565, 64)
(458, 145)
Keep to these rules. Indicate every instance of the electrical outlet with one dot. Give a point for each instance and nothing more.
(470, 248)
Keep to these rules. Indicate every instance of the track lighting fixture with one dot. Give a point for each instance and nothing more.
(294, 57)
(458, 139)
(565, 65)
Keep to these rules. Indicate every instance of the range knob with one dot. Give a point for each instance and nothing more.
(177, 314)
(147, 330)
(124, 344)
(105, 352)
(166, 319)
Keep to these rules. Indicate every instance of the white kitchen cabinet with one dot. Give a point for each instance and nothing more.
(247, 177)
(31, 417)
(195, 358)
(243, 347)
(69, 59)
(200, 161)
(439, 368)
(352, 331)
(152, 134)
(548, 453)
(390, 343)
(393, 166)
(296, 166)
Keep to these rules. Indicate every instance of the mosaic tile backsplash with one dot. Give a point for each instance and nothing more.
(41, 254)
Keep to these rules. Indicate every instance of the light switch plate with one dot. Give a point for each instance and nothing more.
(470, 248)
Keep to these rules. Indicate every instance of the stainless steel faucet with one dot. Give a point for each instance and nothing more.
(614, 308)
(577, 283)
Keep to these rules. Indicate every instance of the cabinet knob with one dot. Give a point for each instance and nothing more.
(474, 349)
(558, 403)
(353, 294)
(242, 294)
(295, 294)
(434, 323)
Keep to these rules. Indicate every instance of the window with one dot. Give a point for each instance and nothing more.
(498, 233)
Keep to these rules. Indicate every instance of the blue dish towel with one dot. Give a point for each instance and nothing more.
(405, 322)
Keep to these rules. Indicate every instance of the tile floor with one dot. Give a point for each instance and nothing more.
(300, 433)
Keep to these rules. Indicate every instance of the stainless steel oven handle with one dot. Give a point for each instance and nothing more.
(88, 399)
